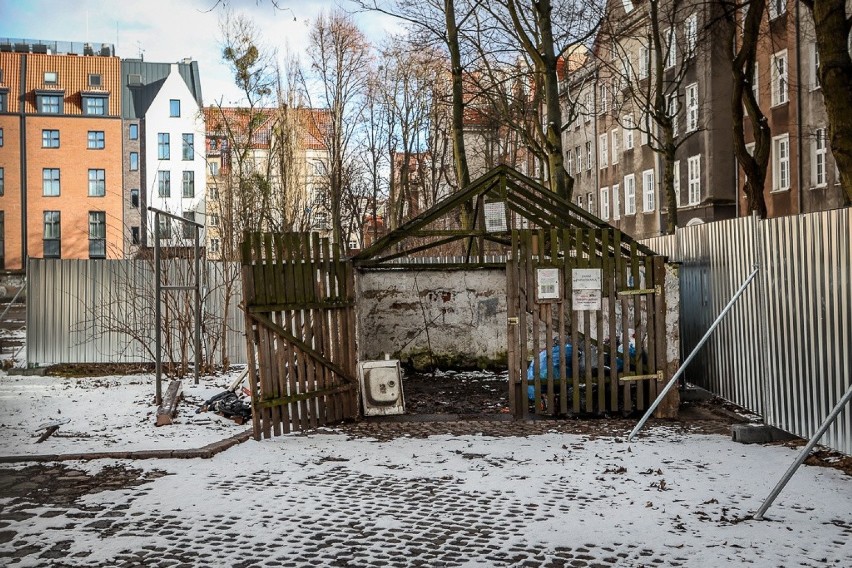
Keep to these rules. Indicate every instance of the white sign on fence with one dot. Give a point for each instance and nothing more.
(547, 284)
(586, 289)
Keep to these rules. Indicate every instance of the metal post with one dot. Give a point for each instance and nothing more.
(692, 355)
(803, 455)
(197, 303)
(158, 316)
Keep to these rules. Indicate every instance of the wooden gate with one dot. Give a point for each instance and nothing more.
(586, 323)
(298, 297)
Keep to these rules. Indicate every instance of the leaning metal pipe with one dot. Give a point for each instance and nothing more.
(803, 455)
(692, 355)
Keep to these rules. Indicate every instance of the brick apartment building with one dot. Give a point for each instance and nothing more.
(60, 152)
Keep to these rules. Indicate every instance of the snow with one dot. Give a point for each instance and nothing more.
(680, 497)
(105, 414)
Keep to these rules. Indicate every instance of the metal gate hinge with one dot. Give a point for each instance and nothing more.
(639, 291)
(513, 321)
(627, 378)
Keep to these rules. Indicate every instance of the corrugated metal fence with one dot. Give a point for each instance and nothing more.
(785, 350)
(99, 311)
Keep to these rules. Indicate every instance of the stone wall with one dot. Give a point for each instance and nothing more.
(433, 318)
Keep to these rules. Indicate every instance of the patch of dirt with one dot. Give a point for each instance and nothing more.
(451, 392)
(74, 370)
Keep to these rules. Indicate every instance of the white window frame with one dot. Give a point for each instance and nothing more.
(590, 202)
(614, 144)
(578, 151)
(674, 111)
(604, 203)
(630, 194)
(780, 78)
(814, 64)
(676, 181)
(691, 96)
(588, 106)
(603, 154)
(781, 163)
(570, 167)
(776, 8)
(603, 94)
(691, 34)
(644, 62)
(627, 120)
(589, 159)
(693, 168)
(648, 193)
(820, 158)
(755, 83)
(644, 128)
(671, 47)
(616, 202)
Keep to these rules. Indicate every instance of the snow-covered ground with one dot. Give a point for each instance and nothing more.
(105, 414)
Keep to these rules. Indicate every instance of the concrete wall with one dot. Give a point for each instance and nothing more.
(445, 318)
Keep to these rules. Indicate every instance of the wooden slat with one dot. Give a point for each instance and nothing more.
(637, 326)
(563, 337)
(523, 321)
(589, 236)
(512, 335)
(611, 279)
(576, 239)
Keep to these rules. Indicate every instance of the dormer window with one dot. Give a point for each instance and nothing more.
(94, 80)
(51, 77)
(93, 104)
(50, 102)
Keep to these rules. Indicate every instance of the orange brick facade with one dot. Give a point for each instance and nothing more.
(24, 149)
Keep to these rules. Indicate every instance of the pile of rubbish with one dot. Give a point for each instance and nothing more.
(230, 404)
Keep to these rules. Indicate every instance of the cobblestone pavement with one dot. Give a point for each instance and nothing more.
(383, 494)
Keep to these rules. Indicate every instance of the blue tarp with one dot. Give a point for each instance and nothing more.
(568, 353)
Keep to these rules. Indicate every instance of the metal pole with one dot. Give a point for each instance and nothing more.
(692, 355)
(803, 455)
(197, 303)
(158, 316)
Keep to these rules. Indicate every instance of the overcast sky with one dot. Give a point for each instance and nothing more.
(169, 30)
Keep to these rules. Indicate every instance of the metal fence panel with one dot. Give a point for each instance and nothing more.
(101, 311)
(785, 350)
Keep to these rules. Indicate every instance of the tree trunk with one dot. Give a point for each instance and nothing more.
(459, 155)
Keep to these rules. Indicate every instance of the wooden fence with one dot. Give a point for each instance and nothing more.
(298, 300)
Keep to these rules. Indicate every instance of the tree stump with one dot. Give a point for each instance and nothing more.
(168, 409)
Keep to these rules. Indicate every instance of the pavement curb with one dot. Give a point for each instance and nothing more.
(205, 452)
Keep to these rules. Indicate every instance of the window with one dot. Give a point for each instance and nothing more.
(781, 163)
(50, 104)
(174, 107)
(164, 183)
(96, 140)
(188, 146)
(673, 111)
(51, 77)
(165, 226)
(214, 220)
(628, 131)
(814, 66)
(214, 168)
(579, 160)
(676, 181)
(134, 198)
(1, 137)
(648, 194)
(4, 101)
(691, 34)
(94, 80)
(629, 194)
(134, 161)
(692, 107)
(693, 169)
(134, 236)
(590, 202)
(644, 62)
(776, 8)
(580, 201)
(779, 78)
(604, 98)
(616, 201)
(605, 203)
(163, 146)
(644, 128)
(52, 235)
(570, 167)
(97, 183)
(589, 108)
(50, 139)
(214, 245)
(2, 181)
(50, 182)
(671, 47)
(97, 234)
(189, 184)
(588, 155)
(615, 151)
(133, 134)
(755, 84)
(189, 230)
(94, 105)
(820, 178)
(602, 150)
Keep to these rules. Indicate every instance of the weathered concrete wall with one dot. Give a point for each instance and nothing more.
(430, 317)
